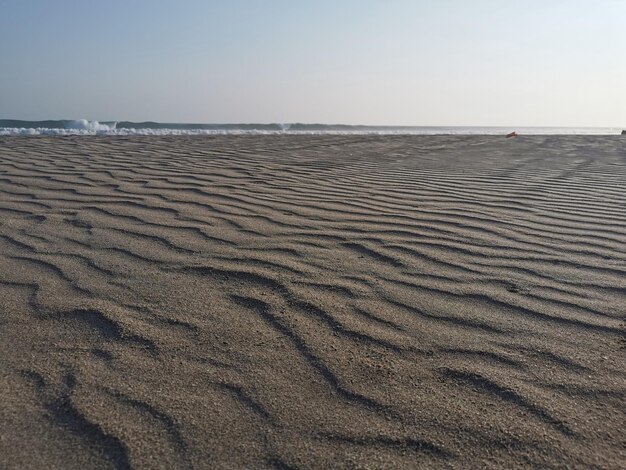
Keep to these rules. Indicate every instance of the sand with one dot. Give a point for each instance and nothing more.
(312, 301)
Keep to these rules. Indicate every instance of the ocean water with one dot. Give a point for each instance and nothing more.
(84, 127)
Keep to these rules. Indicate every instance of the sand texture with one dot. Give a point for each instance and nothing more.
(312, 302)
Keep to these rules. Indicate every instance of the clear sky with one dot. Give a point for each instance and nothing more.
(395, 62)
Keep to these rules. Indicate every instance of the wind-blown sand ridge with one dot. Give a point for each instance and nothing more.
(312, 301)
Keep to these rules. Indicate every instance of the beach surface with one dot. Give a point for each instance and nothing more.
(312, 302)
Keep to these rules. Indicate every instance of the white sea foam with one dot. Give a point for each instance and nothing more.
(146, 132)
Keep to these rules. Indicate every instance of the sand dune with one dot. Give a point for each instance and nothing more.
(312, 301)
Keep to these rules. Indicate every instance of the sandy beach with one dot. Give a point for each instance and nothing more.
(313, 302)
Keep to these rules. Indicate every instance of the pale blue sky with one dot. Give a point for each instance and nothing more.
(395, 62)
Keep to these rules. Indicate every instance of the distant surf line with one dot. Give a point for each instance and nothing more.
(86, 127)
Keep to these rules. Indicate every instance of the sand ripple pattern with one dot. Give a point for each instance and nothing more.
(312, 301)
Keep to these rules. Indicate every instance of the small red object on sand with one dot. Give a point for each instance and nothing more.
(512, 134)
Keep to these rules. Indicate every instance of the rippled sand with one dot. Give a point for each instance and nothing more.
(307, 301)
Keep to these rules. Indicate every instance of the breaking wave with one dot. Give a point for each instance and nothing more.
(90, 126)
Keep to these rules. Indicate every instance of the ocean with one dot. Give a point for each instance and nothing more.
(85, 127)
